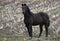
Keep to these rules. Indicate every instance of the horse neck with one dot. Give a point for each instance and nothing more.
(27, 13)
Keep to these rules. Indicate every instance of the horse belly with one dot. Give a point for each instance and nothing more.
(35, 24)
(37, 21)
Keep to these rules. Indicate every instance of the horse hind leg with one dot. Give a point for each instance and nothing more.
(41, 29)
(46, 28)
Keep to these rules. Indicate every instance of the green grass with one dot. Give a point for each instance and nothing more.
(11, 38)
(22, 37)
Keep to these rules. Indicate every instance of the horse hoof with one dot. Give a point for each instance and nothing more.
(30, 38)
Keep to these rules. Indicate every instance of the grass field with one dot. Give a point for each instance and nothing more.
(22, 37)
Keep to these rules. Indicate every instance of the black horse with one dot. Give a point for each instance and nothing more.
(30, 19)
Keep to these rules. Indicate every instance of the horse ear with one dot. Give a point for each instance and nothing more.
(23, 4)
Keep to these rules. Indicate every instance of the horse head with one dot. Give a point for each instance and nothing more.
(25, 9)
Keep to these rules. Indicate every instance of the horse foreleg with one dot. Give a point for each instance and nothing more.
(30, 31)
(29, 28)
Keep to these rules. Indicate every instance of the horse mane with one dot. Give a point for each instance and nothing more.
(28, 10)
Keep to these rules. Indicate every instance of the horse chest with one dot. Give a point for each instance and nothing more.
(28, 21)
